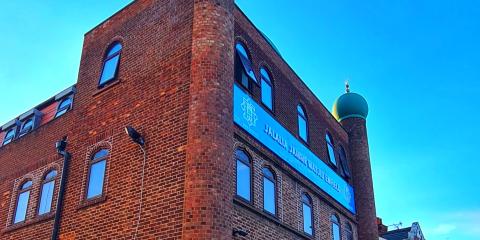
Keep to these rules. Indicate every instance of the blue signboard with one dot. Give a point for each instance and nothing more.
(262, 126)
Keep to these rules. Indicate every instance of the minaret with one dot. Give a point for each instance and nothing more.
(351, 110)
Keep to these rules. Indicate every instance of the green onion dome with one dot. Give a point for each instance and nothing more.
(350, 105)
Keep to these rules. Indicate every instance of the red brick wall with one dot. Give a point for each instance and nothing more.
(152, 94)
(208, 185)
(288, 223)
(29, 156)
(174, 86)
(362, 174)
(289, 90)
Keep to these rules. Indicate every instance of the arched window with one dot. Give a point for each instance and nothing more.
(348, 231)
(22, 202)
(9, 136)
(243, 66)
(27, 126)
(266, 83)
(335, 228)
(96, 176)
(46, 195)
(307, 214)
(243, 174)
(110, 64)
(344, 162)
(269, 191)
(64, 106)
(330, 149)
(302, 123)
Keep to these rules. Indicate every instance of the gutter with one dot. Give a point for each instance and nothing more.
(58, 211)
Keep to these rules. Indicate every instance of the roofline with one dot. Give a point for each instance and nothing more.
(398, 230)
(111, 16)
(263, 35)
(53, 98)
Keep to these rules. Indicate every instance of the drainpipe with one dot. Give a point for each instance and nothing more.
(61, 146)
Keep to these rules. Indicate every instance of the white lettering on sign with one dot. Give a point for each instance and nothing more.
(300, 157)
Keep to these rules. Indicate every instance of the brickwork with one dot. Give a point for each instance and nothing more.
(174, 85)
(287, 223)
(362, 175)
(208, 185)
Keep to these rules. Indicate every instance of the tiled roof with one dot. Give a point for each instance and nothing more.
(399, 234)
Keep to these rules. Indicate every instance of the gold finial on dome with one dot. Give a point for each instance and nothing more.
(347, 86)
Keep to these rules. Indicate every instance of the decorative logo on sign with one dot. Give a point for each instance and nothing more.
(249, 113)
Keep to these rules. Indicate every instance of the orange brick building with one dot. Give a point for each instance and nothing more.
(236, 145)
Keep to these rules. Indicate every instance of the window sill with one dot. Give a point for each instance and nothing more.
(106, 87)
(270, 217)
(86, 203)
(37, 219)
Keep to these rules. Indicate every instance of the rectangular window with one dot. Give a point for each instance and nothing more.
(331, 154)
(243, 180)
(302, 128)
(267, 95)
(307, 219)
(336, 232)
(109, 70)
(269, 196)
(96, 179)
(22, 205)
(46, 198)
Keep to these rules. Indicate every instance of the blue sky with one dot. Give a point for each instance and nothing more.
(415, 61)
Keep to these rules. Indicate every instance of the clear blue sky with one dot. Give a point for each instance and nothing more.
(415, 61)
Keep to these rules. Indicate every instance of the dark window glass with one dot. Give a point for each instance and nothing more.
(243, 66)
(348, 232)
(307, 214)
(269, 192)
(22, 202)
(26, 127)
(9, 136)
(344, 162)
(46, 196)
(64, 106)
(110, 64)
(302, 123)
(96, 176)
(335, 228)
(267, 97)
(243, 175)
(331, 149)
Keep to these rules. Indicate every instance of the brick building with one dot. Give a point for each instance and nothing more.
(236, 145)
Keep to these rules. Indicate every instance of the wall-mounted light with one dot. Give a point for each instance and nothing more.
(137, 138)
(134, 135)
(61, 145)
(239, 232)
